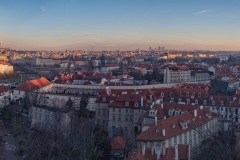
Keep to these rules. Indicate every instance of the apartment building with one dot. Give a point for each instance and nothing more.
(176, 75)
(45, 116)
(126, 112)
(187, 127)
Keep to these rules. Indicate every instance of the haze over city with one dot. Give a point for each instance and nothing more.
(98, 25)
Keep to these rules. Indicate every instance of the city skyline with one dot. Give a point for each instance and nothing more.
(108, 25)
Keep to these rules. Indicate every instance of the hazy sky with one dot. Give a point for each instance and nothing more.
(120, 24)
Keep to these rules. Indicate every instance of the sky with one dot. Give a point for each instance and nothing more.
(120, 24)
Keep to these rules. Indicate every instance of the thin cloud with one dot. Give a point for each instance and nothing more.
(205, 11)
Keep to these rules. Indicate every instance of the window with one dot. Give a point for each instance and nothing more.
(196, 101)
(180, 100)
(206, 94)
(199, 94)
(113, 109)
(126, 110)
(126, 104)
(119, 110)
(113, 118)
(162, 94)
(204, 102)
(213, 102)
(188, 101)
(180, 93)
(187, 94)
(119, 117)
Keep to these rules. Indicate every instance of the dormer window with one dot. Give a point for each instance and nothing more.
(199, 94)
(170, 112)
(213, 102)
(204, 102)
(196, 101)
(206, 94)
(103, 99)
(181, 94)
(126, 103)
(222, 103)
(180, 100)
(162, 94)
(187, 94)
(152, 113)
(209, 115)
(172, 99)
(183, 125)
(199, 87)
(136, 104)
(188, 101)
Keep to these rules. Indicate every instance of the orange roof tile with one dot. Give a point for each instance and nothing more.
(33, 84)
(118, 143)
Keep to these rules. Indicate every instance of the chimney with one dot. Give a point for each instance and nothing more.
(201, 107)
(195, 113)
(176, 152)
(141, 101)
(107, 90)
(155, 121)
(163, 132)
(162, 105)
(143, 150)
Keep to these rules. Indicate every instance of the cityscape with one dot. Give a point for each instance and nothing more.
(119, 80)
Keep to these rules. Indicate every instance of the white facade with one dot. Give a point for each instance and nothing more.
(6, 68)
(176, 76)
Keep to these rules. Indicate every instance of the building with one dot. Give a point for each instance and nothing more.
(45, 116)
(35, 85)
(179, 127)
(5, 96)
(176, 74)
(126, 113)
(5, 68)
(178, 152)
(109, 68)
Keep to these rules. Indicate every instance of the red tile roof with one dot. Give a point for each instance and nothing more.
(33, 84)
(172, 126)
(3, 89)
(118, 143)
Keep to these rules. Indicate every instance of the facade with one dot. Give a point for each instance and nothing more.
(191, 128)
(109, 68)
(5, 68)
(5, 96)
(44, 116)
(176, 75)
(200, 76)
(126, 113)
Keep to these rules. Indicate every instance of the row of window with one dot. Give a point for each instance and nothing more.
(193, 94)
